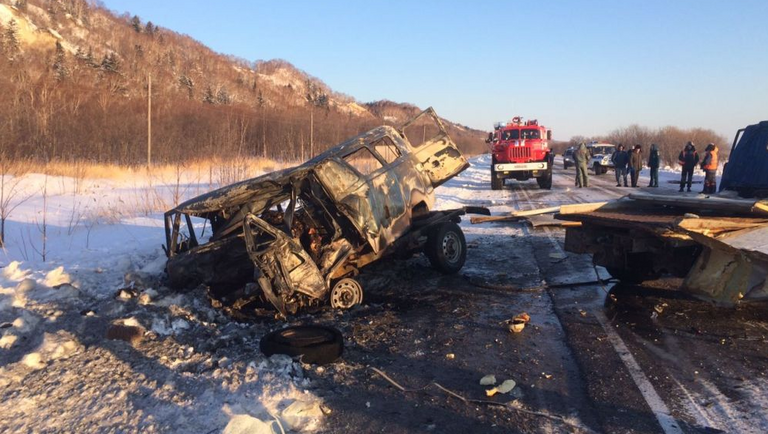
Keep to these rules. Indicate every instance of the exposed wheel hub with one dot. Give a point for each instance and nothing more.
(346, 293)
(451, 247)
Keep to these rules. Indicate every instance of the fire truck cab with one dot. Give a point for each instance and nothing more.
(520, 150)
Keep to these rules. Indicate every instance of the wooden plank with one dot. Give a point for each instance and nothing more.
(530, 212)
(550, 220)
(494, 218)
(579, 208)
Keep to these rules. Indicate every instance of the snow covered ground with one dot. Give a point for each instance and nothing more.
(82, 255)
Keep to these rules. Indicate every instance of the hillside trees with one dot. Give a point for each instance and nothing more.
(82, 95)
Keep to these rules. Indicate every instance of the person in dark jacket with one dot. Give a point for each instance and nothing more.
(653, 164)
(709, 166)
(581, 157)
(636, 164)
(620, 159)
(688, 158)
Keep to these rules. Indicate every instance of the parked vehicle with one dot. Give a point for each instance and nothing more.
(521, 151)
(746, 171)
(568, 160)
(600, 160)
(296, 238)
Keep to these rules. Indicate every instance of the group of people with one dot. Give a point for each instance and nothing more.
(689, 158)
(631, 163)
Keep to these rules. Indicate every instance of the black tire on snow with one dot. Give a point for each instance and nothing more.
(496, 183)
(446, 248)
(632, 276)
(545, 182)
(317, 345)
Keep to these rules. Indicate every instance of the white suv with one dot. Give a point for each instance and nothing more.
(601, 154)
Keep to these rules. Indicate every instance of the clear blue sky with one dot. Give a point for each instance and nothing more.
(580, 67)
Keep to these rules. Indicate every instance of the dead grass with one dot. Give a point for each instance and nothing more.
(221, 172)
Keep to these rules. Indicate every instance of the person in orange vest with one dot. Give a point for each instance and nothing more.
(709, 166)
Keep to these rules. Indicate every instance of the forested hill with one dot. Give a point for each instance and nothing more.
(74, 81)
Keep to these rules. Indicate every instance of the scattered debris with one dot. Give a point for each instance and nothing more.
(518, 323)
(488, 380)
(127, 331)
(504, 387)
(299, 413)
(246, 424)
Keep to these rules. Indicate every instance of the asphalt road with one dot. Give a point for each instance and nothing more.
(593, 358)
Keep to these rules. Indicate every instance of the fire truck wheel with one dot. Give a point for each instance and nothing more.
(446, 248)
(496, 183)
(545, 181)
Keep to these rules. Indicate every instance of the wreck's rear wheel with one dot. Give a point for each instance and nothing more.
(346, 293)
(446, 248)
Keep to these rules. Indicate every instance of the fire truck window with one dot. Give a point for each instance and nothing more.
(511, 135)
(364, 161)
(531, 134)
(387, 150)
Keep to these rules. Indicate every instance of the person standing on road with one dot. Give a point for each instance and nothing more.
(709, 166)
(653, 164)
(636, 164)
(581, 157)
(688, 158)
(620, 159)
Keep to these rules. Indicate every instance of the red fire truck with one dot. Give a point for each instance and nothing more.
(521, 151)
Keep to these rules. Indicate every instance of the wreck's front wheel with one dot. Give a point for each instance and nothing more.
(346, 293)
(446, 248)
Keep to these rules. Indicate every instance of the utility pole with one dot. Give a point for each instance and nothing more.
(149, 121)
(263, 135)
(311, 132)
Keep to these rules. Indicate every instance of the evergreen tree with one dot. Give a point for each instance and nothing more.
(208, 96)
(90, 60)
(136, 23)
(60, 70)
(260, 99)
(187, 83)
(12, 46)
(150, 28)
(110, 63)
(222, 96)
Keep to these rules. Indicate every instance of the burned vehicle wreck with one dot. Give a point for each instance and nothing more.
(297, 238)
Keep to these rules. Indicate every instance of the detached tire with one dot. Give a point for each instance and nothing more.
(316, 345)
(446, 248)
